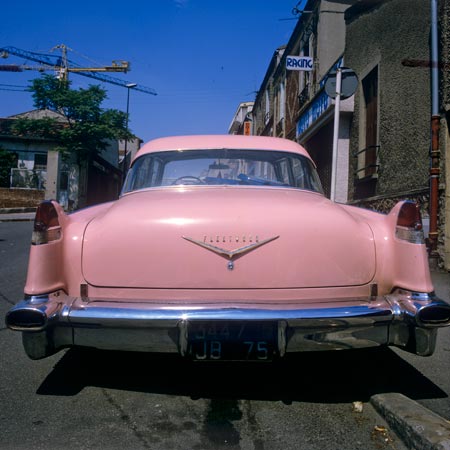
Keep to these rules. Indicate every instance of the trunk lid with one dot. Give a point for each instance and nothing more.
(227, 238)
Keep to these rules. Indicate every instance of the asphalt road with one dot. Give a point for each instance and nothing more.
(110, 400)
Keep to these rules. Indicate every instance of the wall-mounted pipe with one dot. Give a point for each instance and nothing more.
(435, 129)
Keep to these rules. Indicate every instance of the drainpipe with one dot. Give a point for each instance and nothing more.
(435, 129)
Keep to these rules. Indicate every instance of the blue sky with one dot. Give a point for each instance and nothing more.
(203, 57)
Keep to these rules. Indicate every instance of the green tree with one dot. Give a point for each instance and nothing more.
(7, 161)
(85, 127)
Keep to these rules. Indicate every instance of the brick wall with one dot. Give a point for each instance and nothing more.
(20, 198)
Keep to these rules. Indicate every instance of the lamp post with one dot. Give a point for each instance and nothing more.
(128, 86)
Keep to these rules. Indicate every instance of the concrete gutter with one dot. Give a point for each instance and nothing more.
(417, 426)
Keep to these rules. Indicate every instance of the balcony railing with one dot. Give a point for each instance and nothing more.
(370, 161)
(303, 97)
(280, 127)
(268, 125)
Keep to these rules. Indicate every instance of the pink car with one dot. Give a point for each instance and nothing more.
(225, 248)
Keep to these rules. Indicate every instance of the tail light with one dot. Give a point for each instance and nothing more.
(409, 223)
(46, 224)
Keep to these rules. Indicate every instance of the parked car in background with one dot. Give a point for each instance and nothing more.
(225, 248)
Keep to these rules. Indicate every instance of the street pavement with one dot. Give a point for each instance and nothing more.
(417, 426)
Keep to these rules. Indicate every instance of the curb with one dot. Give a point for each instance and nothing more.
(417, 426)
(17, 210)
(16, 219)
(17, 214)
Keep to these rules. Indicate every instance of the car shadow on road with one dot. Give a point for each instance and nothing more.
(344, 376)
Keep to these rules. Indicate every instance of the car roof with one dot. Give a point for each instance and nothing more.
(227, 141)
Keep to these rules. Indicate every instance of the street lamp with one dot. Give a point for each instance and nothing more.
(128, 86)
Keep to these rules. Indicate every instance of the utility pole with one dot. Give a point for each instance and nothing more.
(337, 111)
(129, 86)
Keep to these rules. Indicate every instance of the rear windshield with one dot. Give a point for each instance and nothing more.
(222, 167)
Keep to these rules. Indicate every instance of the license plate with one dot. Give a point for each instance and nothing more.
(232, 341)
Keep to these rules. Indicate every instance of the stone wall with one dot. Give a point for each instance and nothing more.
(383, 37)
(444, 73)
(20, 198)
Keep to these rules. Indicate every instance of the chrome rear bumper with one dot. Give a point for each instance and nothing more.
(404, 319)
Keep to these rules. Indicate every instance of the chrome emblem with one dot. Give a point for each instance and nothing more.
(231, 255)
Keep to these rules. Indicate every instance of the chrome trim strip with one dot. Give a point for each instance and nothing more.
(408, 235)
(106, 316)
(37, 298)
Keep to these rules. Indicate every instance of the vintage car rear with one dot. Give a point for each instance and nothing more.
(225, 248)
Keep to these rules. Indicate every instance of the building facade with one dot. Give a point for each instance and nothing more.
(293, 103)
(263, 112)
(388, 45)
(242, 121)
(40, 166)
(391, 121)
(391, 145)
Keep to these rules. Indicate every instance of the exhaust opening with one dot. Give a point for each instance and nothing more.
(26, 319)
(437, 315)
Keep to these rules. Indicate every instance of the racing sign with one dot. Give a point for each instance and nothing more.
(299, 63)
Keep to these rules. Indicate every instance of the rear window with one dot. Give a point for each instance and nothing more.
(222, 167)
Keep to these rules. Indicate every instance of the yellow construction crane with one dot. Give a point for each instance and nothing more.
(65, 68)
